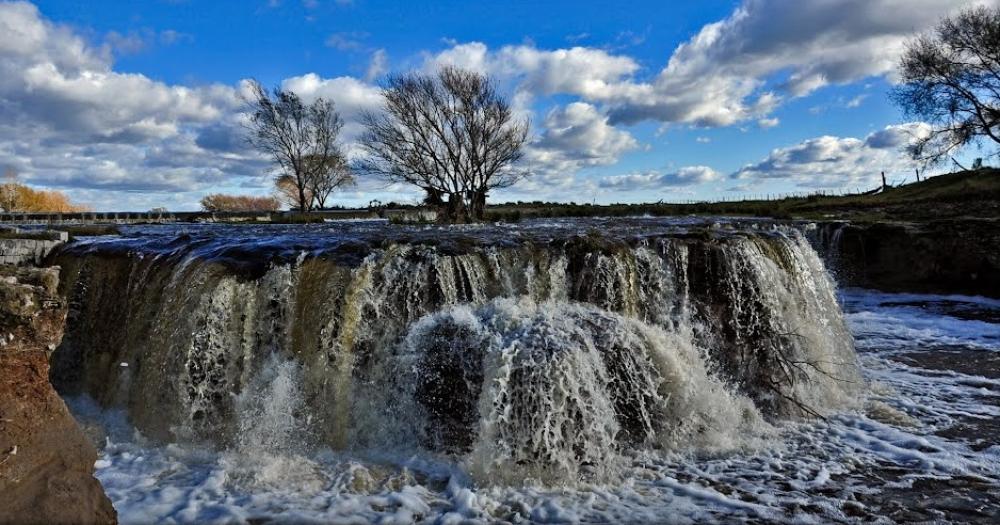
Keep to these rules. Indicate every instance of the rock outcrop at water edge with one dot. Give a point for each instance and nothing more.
(46, 462)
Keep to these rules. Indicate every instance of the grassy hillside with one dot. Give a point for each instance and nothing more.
(962, 194)
(946, 187)
(968, 194)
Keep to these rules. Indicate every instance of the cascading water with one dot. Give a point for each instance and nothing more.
(271, 410)
(622, 370)
(273, 436)
(538, 359)
(545, 390)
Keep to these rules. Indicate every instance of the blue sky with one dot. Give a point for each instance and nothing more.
(134, 105)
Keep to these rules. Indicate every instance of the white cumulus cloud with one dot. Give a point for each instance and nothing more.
(651, 180)
(767, 50)
(840, 162)
(737, 69)
(577, 136)
(68, 119)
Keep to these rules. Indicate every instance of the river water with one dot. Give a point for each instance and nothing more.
(920, 443)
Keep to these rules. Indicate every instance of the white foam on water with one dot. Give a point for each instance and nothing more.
(804, 475)
(552, 373)
(907, 321)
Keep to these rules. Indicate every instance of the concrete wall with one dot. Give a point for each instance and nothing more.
(411, 215)
(29, 250)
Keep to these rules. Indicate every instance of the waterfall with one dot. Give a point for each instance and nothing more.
(536, 359)
(543, 390)
(271, 412)
(828, 239)
(272, 446)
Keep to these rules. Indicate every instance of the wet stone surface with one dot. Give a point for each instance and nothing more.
(973, 363)
(252, 248)
(955, 500)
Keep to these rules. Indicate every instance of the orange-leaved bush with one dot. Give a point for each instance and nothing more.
(19, 198)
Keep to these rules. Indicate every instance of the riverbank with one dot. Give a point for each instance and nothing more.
(960, 195)
(956, 256)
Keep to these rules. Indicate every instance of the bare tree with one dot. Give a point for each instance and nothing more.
(292, 132)
(8, 190)
(326, 175)
(451, 134)
(951, 78)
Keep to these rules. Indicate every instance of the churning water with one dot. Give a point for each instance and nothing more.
(572, 371)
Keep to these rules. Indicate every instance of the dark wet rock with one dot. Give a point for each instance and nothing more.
(450, 382)
(972, 362)
(854, 509)
(953, 256)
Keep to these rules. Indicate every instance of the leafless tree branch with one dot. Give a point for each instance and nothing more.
(452, 135)
(951, 79)
(301, 139)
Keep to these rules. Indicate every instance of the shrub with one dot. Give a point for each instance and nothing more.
(17, 198)
(222, 202)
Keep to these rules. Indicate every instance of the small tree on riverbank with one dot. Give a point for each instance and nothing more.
(451, 134)
(327, 174)
(951, 79)
(301, 139)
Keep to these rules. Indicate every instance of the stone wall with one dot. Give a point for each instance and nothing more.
(49, 219)
(411, 215)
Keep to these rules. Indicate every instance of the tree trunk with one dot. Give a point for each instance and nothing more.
(456, 212)
(433, 197)
(479, 205)
(301, 186)
(303, 207)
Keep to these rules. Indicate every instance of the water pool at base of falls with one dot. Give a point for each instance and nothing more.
(925, 447)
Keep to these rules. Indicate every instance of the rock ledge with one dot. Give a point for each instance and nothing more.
(46, 462)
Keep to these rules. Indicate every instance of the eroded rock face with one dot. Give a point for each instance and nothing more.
(46, 462)
(948, 256)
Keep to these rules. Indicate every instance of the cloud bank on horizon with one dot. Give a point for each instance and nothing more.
(604, 122)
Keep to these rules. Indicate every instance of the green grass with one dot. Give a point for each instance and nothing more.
(971, 194)
(968, 194)
(953, 186)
